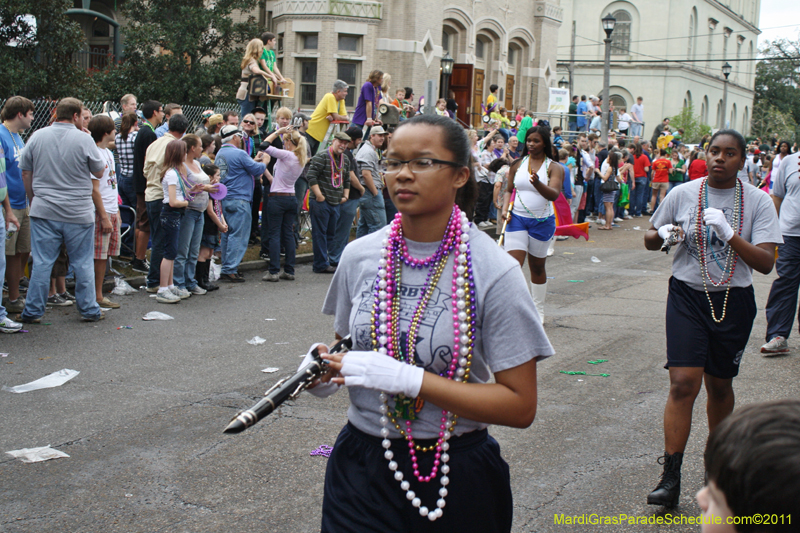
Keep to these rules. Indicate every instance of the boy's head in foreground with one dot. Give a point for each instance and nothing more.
(753, 464)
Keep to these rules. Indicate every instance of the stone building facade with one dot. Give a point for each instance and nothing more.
(511, 44)
(669, 52)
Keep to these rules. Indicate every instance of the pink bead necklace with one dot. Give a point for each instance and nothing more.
(386, 340)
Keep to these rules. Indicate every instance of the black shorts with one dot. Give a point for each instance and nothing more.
(361, 494)
(695, 340)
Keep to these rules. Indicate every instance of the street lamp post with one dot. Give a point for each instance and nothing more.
(726, 70)
(563, 83)
(608, 26)
(447, 70)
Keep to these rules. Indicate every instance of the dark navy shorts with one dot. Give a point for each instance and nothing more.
(361, 494)
(695, 340)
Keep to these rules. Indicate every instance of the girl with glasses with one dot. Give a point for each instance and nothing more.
(430, 303)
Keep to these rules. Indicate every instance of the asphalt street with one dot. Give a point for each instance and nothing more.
(142, 422)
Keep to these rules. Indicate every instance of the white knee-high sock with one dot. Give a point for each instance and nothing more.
(539, 294)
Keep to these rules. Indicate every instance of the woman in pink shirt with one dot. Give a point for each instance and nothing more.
(282, 205)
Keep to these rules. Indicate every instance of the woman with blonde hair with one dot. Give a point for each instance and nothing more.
(385, 86)
(249, 67)
(282, 205)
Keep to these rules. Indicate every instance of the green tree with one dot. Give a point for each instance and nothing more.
(37, 42)
(777, 83)
(693, 127)
(769, 119)
(186, 51)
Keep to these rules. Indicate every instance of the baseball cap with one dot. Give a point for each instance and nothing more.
(377, 130)
(258, 110)
(757, 151)
(354, 133)
(207, 113)
(342, 136)
(214, 119)
(229, 131)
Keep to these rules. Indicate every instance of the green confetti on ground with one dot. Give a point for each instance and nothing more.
(576, 281)
(580, 373)
(597, 362)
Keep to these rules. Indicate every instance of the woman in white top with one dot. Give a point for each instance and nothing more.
(249, 67)
(533, 223)
(610, 170)
(192, 221)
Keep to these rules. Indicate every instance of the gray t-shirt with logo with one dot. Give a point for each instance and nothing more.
(786, 185)
(62, 159)
(679, 207)
(508, 330)
(367, 159)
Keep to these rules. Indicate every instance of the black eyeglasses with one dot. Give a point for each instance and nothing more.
(417, 166)
(248, 122)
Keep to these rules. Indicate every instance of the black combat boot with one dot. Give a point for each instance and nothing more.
(668, 490)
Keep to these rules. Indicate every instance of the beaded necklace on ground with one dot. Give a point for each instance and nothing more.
(702, 239)
(386, 340)
(546, 164)
(336, 170)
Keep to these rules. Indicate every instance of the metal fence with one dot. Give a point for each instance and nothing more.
(45, 112)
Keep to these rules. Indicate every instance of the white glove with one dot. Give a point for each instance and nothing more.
(375, 371)
(665, 232)
(320, 390)
(715, 219)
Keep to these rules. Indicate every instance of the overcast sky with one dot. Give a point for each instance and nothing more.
(776, 15)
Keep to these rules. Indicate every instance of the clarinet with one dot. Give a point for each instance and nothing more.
(289, 388)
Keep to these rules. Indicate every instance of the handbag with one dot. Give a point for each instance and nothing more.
(257, 86)
(610, 185)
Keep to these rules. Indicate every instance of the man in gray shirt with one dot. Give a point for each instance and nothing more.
(57, 167)
(373, 211)
(782, 302)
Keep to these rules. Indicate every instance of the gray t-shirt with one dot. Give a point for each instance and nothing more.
(508, 330)
(367, 159)
(62, 159)
(786, 185)
(680, 208)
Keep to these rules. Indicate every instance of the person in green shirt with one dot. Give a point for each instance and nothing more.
(678, 172)
(268, 59)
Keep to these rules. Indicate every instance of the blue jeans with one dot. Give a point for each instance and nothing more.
(3, 313)
(157, 240)
(572, 127)
(264, 232)
(373, 214)
(598, 207)
(323, 228)
(300, 188)
(128, 195)
(391, 210)
(246, 107)
(234, 242)
(347, 212)
(635, 129)
(782, 301)
(188, 248)
(281, 212)
(46, 239)
(639, 196)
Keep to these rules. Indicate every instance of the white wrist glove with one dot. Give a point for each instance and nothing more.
(320, 390)
(375, 371)
(715, 219)
(665, 232)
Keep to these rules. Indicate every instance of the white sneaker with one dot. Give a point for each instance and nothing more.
(484, 224)
(617, 219)
(180, 293)
(197, 289)
(9, 326)
(167, 297)
(628, 217)
(776, 346)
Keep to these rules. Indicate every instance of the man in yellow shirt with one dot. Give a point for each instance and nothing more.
(330, 108)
